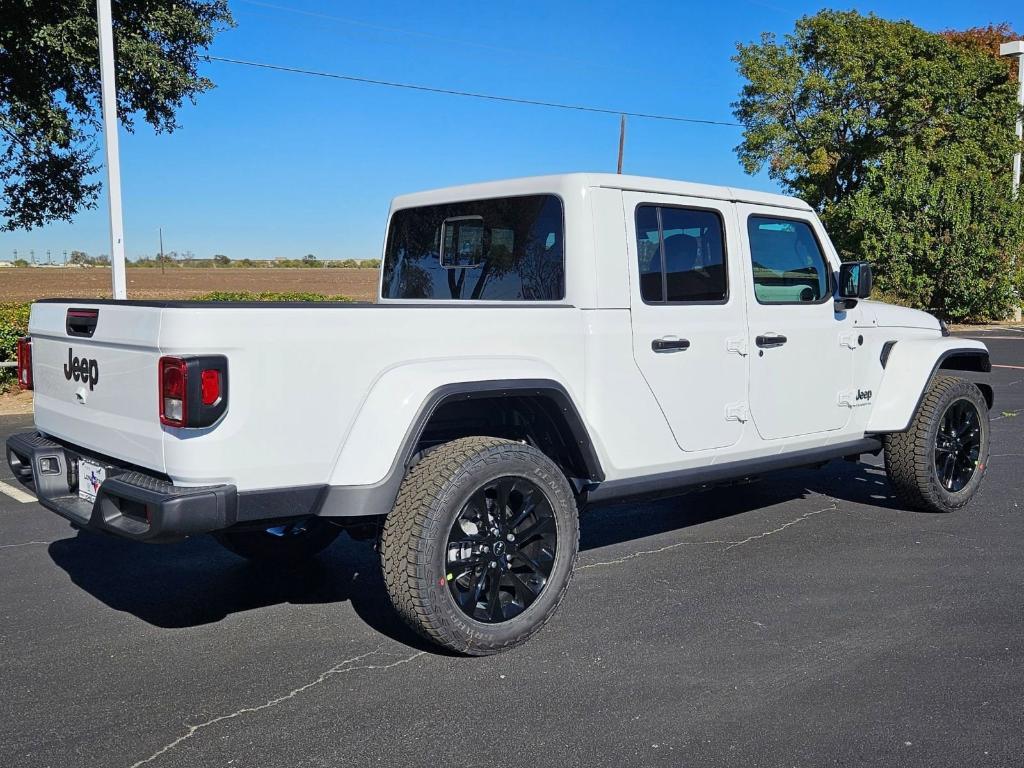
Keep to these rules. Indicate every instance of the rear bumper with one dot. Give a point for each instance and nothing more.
(129, 503)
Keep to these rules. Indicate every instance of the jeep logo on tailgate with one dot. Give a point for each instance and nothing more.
(82, 369)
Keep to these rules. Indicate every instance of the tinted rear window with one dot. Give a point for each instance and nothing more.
(507, 249)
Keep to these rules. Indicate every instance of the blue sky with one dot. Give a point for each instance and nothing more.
(275, 164)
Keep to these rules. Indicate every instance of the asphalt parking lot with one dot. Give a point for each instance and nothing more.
(803, 620)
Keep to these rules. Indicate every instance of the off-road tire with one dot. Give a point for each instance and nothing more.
(265, 547)
(910, 455)
(415, 536)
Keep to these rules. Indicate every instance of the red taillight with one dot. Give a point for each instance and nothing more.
(210, 388)
(25, 363)
(193, 390)
(173, 391)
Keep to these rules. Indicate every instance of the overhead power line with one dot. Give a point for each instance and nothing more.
(470, 94)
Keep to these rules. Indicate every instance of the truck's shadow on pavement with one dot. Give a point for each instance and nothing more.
(197, 582)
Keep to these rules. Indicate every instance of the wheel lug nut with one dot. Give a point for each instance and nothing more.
(511, 537)
(494, 564)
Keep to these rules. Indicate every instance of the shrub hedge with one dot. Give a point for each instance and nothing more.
(268, 296)
(13, 325)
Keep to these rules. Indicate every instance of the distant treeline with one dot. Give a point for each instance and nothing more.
(172, 260)
(175, 259)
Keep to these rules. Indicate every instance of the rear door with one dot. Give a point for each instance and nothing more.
(801, 366)
(95, 378)
(687, 310)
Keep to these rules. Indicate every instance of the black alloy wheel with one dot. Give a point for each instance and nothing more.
(958, 445)
(480, 546)
(938, 462)
(501, 550)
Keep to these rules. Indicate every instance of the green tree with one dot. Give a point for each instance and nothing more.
(49, 92)
(220, 260)
(902, 140)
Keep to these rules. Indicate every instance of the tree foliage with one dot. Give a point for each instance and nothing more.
(50, 84)
(902, 140)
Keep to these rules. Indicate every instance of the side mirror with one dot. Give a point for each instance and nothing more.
(855, 280)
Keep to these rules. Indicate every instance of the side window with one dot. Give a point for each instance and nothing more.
(788, 265)
(681, 255)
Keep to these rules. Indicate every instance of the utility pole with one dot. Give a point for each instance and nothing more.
(1016, 50)
(49, 260)
(161, 230)
(32, 255)
(108, 99)
(622, 140)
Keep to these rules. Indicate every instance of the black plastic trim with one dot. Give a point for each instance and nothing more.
(280, 503)
(379, 498)
(665, 483)
(81, 322)
(129, 503)
(174, 512)
(199, 415)
(883, 358)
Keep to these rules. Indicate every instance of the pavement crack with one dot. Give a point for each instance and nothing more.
(784, 526)
(341, 668)
(730, 544)
(644, 552)
(22, 544)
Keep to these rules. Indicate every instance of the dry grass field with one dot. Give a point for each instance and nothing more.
(29, 283)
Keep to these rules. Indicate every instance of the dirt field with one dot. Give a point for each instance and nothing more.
(26, 284)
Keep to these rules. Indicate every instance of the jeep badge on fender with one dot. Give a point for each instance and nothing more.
(82, 369)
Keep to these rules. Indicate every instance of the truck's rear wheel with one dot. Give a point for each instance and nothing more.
(939, 462)
(481, 544)
(287, 543)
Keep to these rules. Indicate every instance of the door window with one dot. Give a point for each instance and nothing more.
(681, 255)
(788, 265)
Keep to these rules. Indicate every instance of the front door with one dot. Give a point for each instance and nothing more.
(801, 365)
(687, 310)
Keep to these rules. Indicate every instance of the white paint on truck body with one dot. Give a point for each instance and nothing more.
(327, 394)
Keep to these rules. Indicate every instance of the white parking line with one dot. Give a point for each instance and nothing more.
(16, 493)
(1014, 367)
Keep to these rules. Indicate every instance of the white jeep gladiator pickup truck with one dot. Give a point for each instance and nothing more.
(538, 345)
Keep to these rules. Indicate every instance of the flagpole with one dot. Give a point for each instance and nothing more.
(108, 100)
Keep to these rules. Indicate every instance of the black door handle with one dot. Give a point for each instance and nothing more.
(670, 345)
(770, 340)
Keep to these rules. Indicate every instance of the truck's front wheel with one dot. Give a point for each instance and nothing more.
(481, 544)
(937, 464)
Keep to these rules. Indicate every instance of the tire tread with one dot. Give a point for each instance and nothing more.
(411, 524)
(908, 454)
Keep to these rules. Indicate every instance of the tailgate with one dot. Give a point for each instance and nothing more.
(95, 376)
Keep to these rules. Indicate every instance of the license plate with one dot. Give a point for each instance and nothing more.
(90, 478)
